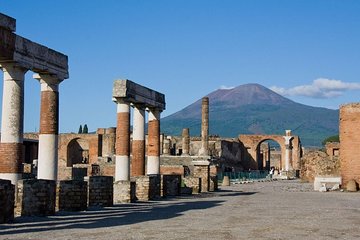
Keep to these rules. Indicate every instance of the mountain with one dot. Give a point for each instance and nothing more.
(255, 109)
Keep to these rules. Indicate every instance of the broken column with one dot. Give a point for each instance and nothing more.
(138, 142)
(349, 133)
(153, 154)
(288, 150)
(122, 165)
(12, 123)
(49, 126)
(185, 142)
(204, 150)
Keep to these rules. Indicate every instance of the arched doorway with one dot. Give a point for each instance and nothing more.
(268, 154)
(77, 152)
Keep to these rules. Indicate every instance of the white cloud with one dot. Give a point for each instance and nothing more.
(320, 88)
(223, 87)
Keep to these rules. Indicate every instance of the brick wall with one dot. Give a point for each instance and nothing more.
(36, 197)
(100, 191)
(172, 169)
(350, 142)
(72, 195)
(7, 198)
(203, 172)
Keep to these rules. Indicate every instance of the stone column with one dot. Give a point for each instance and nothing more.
(288, 150)
(185, 142)
(49, 126)
(153, 150)
(138, 143)
(204, 150)
(12, 123)
(122, 163)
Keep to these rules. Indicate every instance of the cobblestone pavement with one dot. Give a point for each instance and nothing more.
(260, 210)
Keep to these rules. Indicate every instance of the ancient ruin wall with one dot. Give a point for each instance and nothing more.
(350, 142)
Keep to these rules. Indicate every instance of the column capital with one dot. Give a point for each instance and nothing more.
(48, 82)
(15, 71)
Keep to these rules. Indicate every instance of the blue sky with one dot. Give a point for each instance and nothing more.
(308, 51)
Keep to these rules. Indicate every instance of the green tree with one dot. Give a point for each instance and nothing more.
(80, 129)
(334, 138)
(85, 129)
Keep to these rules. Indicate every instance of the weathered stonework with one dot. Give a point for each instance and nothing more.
(124, 192)
(72, 195)
(101, 191)
(349, 133)
(147, 187)
(171, 185)
(7, 201)
(194, 183)
(202, 170)
(213, 183)
(36, 197)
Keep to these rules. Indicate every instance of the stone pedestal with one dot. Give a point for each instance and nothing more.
(202, 170)
(194, 183)
(36, 197)
(101, 191)
(72, 195)
(171, 185)
(7, 201)
(147, 187)
(124, 192)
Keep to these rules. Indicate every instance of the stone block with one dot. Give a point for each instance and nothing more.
(124, 192)
(171, 185)
(72, 195)
(7, 201)
(213, 184)
(101, 191)
(36, 197)
(329, 182)
(351, 186)
(7, 22)
(147, 187)
(194, 183)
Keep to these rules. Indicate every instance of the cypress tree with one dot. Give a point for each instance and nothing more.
(80, 129)
(85, 129)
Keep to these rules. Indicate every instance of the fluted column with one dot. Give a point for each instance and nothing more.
(122, 164)
(49, 126)
(138, 143)
(153, 150)
(204, 150)
(12, 123)
(288, 150)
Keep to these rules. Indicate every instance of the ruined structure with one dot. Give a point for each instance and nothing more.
(349, 133)
(17, 56)
(204, 150)
(126, 93)
(290, 150)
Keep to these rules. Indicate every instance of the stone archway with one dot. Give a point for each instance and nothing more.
(77, 152)
(250, 150)
(266, 156)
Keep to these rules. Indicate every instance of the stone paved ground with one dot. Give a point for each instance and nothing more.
(264, 210)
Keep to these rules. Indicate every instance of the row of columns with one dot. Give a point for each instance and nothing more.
(12, 131)
(122, 164)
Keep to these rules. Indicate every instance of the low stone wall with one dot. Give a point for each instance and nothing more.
(101, 191)
(147, 187)
(213, 183)
(7, 201)
(194, 183)
(36, 197)
(171, 185)
(124, 192)
(72, 195)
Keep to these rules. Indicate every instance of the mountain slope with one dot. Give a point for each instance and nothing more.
(254, 109)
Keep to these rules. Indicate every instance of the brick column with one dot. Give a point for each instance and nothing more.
(138, 143)
(12, 123)
(49, 126)
(204, 150)
(185, 142)
(153, 150)
(122, 164)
